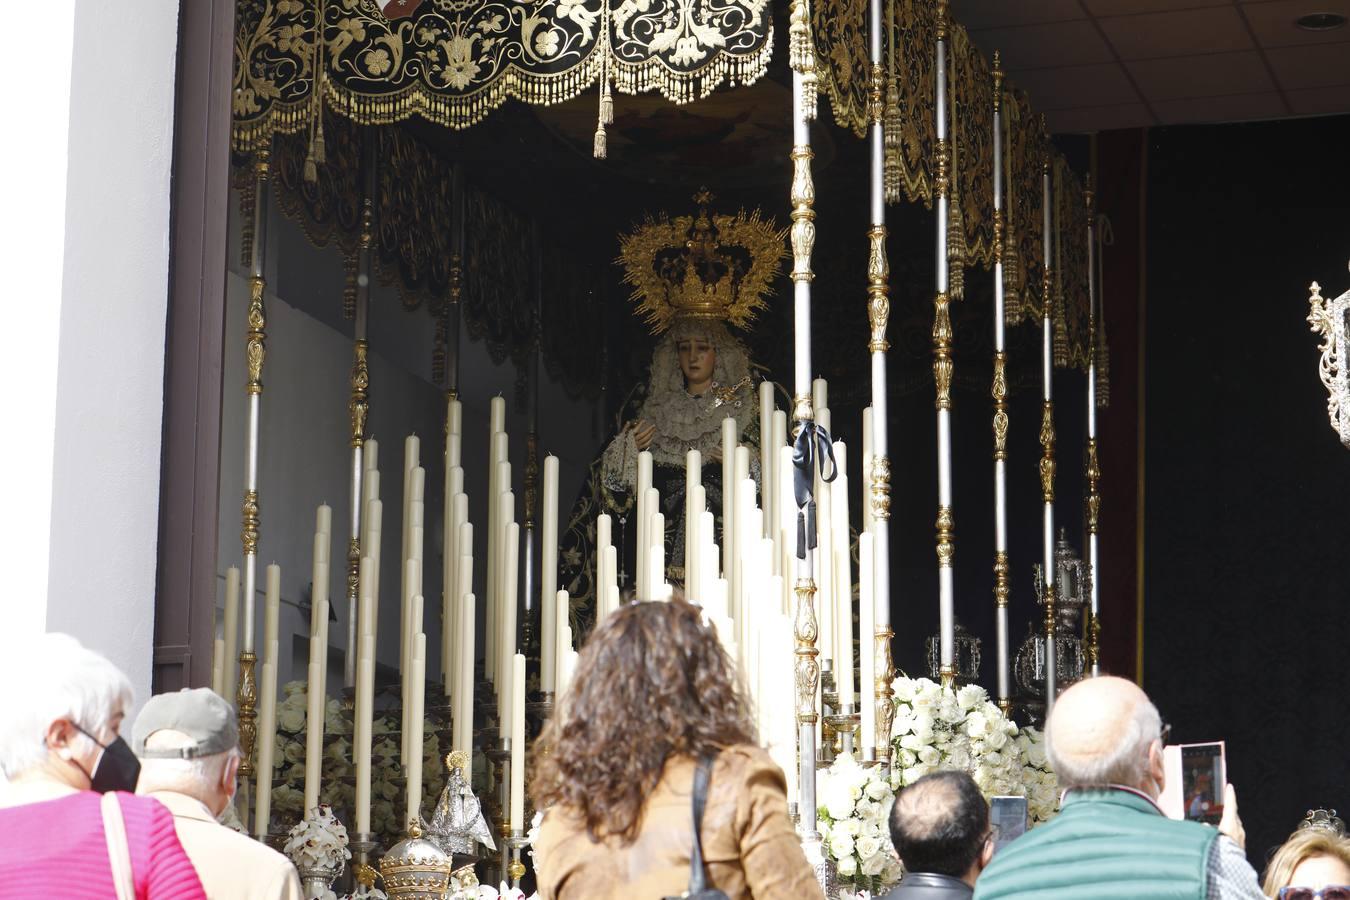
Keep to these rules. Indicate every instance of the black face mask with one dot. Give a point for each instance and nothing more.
(117, 768)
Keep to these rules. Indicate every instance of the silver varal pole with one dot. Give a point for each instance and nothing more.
(803, 236)
(942, 375)
(1094, 472)
(1047, 435)
(255, 351)
(358, 406)
(1000, 394)
(879, 479)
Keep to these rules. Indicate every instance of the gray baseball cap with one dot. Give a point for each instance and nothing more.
(200, 713)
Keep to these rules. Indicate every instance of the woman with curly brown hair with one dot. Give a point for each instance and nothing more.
(654, 693)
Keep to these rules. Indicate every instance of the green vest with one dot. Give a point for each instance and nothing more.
(1104, 845)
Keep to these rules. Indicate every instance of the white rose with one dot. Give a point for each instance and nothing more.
(923, 728)
(841, 844)
(977, 726)
(904, 689)
(877, 790)
(914, 773)
(838, 804)
(993, 759)
(290, 718)
(847, 867)
(907, 757)
(867, 847)
(970, 696)
(903, 724)
(983, 776)
(929, 756)
(912, 742)
(873, 864)
(996, 740)
(850, 827)
(871, 829)
(958, 758)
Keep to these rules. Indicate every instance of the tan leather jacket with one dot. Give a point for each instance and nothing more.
(749, 846)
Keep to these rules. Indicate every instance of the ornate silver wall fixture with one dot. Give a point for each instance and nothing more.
(1330, 320)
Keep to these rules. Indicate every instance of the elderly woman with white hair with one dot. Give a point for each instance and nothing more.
(70, 827)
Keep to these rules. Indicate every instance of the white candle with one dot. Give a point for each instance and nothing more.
(729, 435)
(820, 396)
(843, 579)
(867, 682)
(562, 634)
(656, 558)
(693, 477)
(371, 550)
(644, 483)
(454, 429)
(496, 414)
(694, 541)
(450, 639)
(548, 577)
(313, 733)
(463, 715)
(218, 667)
(498, 469)
(603, 574)
(412, 450)
(518, 743)
(507, 636)
(416, 721)
(865, 473)
(612, 584)
(766, 449)
(365, 682)
(272, 606)
(782, 500)
(230, 638)
(736, 558)
(267, 738)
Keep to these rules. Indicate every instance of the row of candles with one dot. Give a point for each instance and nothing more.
(736, 580)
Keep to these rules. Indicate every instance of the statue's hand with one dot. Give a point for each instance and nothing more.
(643, 434)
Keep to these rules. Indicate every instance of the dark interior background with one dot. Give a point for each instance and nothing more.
(1246, 485)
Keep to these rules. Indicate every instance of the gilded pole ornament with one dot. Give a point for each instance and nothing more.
(255, 349)
(1047, 439)
(946, 537)
(878, 288)
(1002, 586)
(942, 350)
(1094, 498)
(1000, 394)
(246, 702)
(876, 92)
(881, 487)
(884, 666)
(805, 632)
(359, 405)
(803, 230)
(252, 522)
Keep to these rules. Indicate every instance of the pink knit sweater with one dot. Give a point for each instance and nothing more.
(56, 848)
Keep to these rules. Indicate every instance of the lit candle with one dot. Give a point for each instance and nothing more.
(548, 577)
(416, 722)
(518, 743)
(867, 681)
(230, 639)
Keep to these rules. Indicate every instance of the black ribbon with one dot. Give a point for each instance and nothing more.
(812, 449)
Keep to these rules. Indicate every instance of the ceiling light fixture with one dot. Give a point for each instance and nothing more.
(1322, 21)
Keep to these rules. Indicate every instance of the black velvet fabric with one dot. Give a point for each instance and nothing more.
(1247, 567)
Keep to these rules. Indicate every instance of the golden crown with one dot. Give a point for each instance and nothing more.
(704, 266)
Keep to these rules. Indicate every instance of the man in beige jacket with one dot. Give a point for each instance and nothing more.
(188, 746)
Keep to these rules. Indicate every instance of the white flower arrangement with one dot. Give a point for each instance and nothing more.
(318, 840)
(852, 811)
(937, 728)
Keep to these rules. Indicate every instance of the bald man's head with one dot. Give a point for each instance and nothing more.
(1102, 731)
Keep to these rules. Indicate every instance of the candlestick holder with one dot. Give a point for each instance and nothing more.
(504, 851)
(500, 756)
(844, 724)
(516, 869)
(365, 848)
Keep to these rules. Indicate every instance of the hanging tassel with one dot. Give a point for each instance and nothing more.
(1012, 280)
(606, 116)
(891, 172)
(1103, 373)
(601, 148)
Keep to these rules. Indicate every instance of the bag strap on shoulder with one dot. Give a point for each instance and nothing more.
(119, 853)
(702, 777)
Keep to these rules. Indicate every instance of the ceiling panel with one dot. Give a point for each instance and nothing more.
(1101, 85)
(1182, 33)
(1273, 22)
(1040, 46)
(1308, 67)
(1320, 101)
(1233, 108)
(1002, 13)
(1131, 7)
(1218, 74)
(1098, 118)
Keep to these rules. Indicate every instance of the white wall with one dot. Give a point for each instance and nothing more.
(305, 456)
(114, 295)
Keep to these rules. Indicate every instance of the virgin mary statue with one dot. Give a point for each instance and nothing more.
(693, 276)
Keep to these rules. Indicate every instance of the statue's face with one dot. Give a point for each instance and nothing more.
(698, 357)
